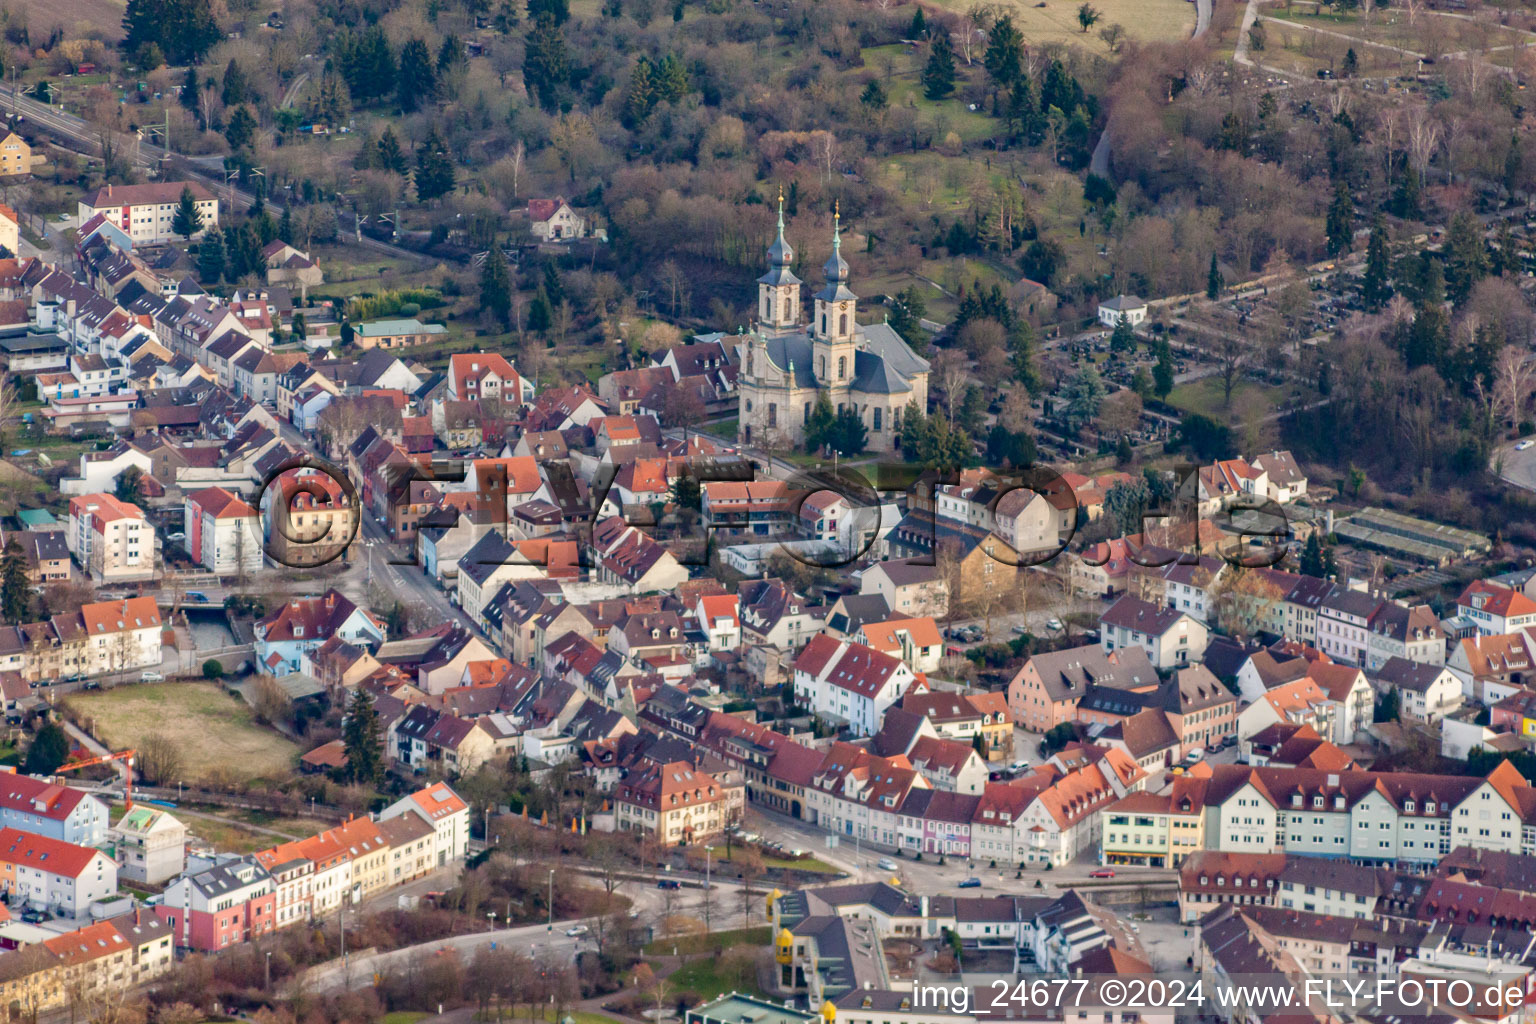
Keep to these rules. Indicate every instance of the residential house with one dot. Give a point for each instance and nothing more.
(110, 539)
(50, 874)
(148, 212)
(222, 532)
(848, 683)
(1170, 637)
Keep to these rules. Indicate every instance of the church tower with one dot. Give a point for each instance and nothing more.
(834, 325)
(778, 291)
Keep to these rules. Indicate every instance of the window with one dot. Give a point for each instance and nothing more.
(786, 308)
(877, 417)
(773, 414)
(807, 418)
(842, 324)
(842, 367)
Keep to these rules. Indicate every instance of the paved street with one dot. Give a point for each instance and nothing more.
(1518, 467)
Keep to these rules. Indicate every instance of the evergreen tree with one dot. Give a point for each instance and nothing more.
(49, 749)
(1351, 63)
(1213, 280)
(671, 79)
(818, 429)
(1004, 58)
(1123, 338)
(434, 169)
(1162, 370)
(640, 96)
(1405, 197)
(919, 26)
(240, 129)
(391, 157)
(189, 84)
(450, 54)
(1083, 392)
(1466, 256)
(368, 64)
(285, 226)
(848, 436)
(1506, 256)
(496, 286)
(1312, 557)
(939, 72)
(183, 30)
(540, 313)
(188, 219)
(1374, 289)
(360, 739)
(1025, 118)
(559, 11)
(545, 64)
(15, 588)
(1340, 220)
(554, 287)
(1389, 706)
(416, 81)
(873, 96)
(210, 257)
(907, 311)
(236, 88)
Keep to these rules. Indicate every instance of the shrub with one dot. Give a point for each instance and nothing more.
(212, 669)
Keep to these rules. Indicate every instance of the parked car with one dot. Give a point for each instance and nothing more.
(1195, 756)
(576, 930)
(197, 597)
(886, 864)
(151, 677)
(970, 883)
(1053, 623)
(1102, 873)
(1018, 766)
(1177, 769)
(1523, 445)
(669, 883)
(1020, 630)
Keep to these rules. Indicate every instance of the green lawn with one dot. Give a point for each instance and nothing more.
(1205, 396)
(709, 978)
(711, 942)
(819, 867)
(403, 1017)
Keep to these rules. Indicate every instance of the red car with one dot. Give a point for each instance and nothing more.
(1102, 873)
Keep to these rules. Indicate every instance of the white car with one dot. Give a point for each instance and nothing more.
(1053, 623)
(151, 677)
(1523, 445)
(579, 929)
(886, 864)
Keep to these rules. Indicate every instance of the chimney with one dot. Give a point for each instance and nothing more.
(109, 190)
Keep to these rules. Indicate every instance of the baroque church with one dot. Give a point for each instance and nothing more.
(786, 364)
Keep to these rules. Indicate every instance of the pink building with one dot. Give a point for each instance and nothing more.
(220, 906)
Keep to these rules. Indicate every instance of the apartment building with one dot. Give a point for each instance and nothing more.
(223, 905)
(678, 803)
(110, 539)
(147, 212)
(223, 533)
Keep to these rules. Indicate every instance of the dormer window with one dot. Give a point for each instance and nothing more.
(1317, 801)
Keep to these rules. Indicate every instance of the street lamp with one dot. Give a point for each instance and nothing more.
(551, 927)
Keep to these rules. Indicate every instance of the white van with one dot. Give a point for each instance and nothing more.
(1195, 756)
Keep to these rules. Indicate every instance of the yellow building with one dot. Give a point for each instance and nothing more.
(15, 156)
(1156, 829)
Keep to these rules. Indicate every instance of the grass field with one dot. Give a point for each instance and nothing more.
(1205, 396)
(710, 978)
(711, 942)
(1055, 21)
(212, 729)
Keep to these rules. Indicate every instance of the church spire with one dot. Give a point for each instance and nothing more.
(836, 268)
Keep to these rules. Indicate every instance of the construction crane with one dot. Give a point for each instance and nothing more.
(125, 756)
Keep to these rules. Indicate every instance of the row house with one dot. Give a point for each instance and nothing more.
(965, 716)
(1367, 816)
(1159, 830)
(97, 962)
(625, 556)
(104, 636)
(288, 633)
(1170, 637)
(53, 875)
